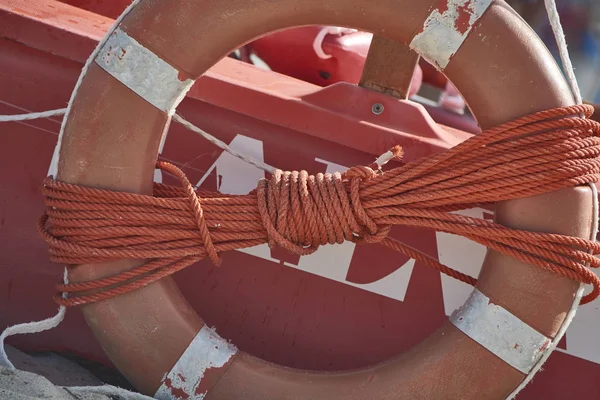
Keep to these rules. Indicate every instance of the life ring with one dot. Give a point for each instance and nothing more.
(111, 136)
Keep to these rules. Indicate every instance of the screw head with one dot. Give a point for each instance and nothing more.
(377, 109)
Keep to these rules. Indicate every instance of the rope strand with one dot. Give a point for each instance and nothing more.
(177, 226)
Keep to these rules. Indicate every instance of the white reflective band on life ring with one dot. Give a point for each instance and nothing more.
(499, 331)
(142, 71)
(207, 351)
(446, 28)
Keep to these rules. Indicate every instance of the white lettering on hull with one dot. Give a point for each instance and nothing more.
(235, 176)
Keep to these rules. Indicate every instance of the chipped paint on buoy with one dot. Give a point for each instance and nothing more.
(446, 28)
(199, 368)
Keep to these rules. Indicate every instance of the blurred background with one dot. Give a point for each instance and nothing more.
(581, 22)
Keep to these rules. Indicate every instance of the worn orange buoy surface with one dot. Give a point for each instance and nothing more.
(112, 135)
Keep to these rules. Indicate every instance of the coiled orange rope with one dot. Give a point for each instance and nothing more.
(177, 226)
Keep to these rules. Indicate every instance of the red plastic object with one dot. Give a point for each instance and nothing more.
(291, 52)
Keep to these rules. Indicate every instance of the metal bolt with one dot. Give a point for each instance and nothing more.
(377, 109)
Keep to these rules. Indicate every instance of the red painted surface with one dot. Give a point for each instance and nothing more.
(291, 53)
(268, 309)
(108, 8)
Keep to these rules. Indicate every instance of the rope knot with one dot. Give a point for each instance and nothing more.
(360, 173)
(196, 206)
(370, 232)
(301, 212)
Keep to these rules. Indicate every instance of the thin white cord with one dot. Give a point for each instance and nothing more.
(27, 328)
(561, 41)
(107, 390)
(31, 327)
(176, 117)
(222, 145)
(30, 116)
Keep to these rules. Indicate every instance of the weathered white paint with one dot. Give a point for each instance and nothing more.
(463, 255)
(207, 350)
(500, 332)
(384, 158)
(143, 72)
(440, 38)
(53, 169)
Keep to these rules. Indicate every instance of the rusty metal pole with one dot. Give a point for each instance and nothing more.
(389, 67)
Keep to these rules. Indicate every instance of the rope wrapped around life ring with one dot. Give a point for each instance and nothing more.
(178, 226)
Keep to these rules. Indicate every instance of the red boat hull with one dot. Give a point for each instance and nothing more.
(310, 312)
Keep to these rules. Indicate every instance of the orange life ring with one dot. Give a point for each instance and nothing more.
(112, 134)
